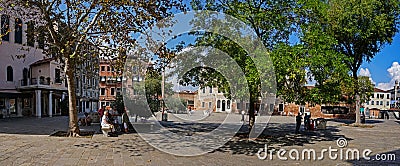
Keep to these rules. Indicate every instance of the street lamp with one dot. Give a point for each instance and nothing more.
(395, 93)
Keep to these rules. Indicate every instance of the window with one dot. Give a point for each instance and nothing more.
(228, 104)
(367, 103)
(57, 76)
(387, 103)
(388, 96)
(2, 102)
(30, 35)
(280, 108)
(377, 95)
(382, 96)
(372, 102)
(381, 103)
(219, 104)
(103, 68)
(209, 105)
(204, 90)
(202, 104)
(27, 103)
(239, 105)
(102, 91)
(10, 76)
(108, 68)
(210, 89)
(5, 23)
(87, 104)
(41, 38)
(112, 91)
(118, 91)
(18, 31)
(372, 96)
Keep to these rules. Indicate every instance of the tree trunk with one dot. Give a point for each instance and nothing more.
(357, 97)
(252, 116)
(358, 116)
(73, 130)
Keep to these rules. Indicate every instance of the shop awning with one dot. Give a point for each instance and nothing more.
(14, 94)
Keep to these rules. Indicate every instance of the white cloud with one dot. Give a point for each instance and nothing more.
(365, 72)
(394, 72)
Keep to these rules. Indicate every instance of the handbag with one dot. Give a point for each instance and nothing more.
(107, 126)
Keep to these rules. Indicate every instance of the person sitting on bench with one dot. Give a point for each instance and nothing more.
(106, 124)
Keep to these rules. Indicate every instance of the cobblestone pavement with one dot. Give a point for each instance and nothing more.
(25, 141)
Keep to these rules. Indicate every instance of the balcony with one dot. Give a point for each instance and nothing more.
(35, 81)
(39, 82)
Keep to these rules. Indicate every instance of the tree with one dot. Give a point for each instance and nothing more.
(119, 103)
(102, 25)
(361, 29)
(272, 23)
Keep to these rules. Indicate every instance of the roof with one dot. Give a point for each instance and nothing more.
(39, 62)
(380, 90)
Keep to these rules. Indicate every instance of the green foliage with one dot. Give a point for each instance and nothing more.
(119, 103)
(360, 30)
(76, 30)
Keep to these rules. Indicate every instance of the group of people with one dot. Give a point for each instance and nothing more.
(308, 123)
(86, 121)
(111, 119)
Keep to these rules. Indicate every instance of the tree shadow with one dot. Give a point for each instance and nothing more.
(349, 121)
(277, 136)
(135, 148)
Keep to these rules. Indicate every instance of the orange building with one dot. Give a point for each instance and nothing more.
(110, 83)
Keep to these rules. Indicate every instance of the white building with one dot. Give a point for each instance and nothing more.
(30, 84)
(213, 100)
(379, 100)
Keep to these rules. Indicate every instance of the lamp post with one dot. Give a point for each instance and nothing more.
(395, 93)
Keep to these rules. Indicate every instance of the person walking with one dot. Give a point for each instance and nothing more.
(125, 121)
(189, 111)
(243, 113)
(298, 122)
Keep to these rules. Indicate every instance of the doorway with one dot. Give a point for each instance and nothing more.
(223, 105)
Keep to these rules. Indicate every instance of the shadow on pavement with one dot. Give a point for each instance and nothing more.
(277, 136)
(348, 121)
(134, 145)
(39, 126)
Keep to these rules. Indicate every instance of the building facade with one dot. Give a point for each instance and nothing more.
(395, 96)
(31, 84)
(87, 84)
(110, 83)
(380, 100)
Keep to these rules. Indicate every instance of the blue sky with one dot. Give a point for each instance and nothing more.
(384, 60)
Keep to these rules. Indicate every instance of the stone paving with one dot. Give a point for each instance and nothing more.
(25, 141)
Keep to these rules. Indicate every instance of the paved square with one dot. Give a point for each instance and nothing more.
(25, 141)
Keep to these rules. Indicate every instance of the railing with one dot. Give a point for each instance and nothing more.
(35, 81)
